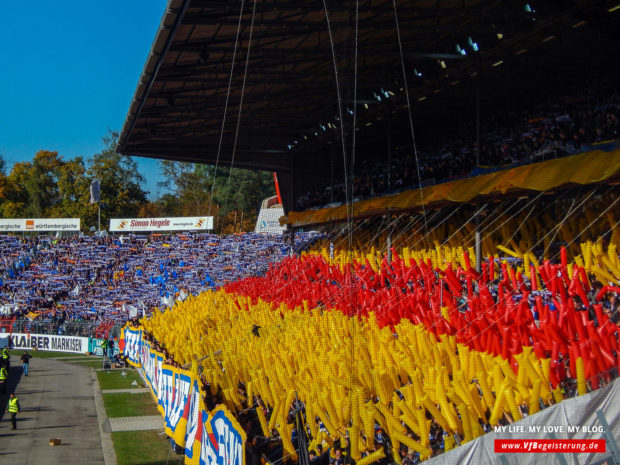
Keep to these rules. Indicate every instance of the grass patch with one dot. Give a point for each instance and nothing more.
(129, 405)
(86, 363)
(45, 354)
(113, 379)
(143, 448)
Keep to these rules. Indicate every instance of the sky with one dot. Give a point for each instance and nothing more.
(68, 72)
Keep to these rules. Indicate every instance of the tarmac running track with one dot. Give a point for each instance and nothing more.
(57, 401)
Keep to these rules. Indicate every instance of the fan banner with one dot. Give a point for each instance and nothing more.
(213, 438)
(185, 223)
(48, 342)
(40, 224)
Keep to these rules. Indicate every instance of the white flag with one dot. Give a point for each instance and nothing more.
(95, 191)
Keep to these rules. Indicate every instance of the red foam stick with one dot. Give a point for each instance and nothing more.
(467, 262)
(563, 257)
(485, 273)
(533, 279)
(584, 278)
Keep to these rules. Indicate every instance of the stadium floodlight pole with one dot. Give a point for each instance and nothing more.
(99, 216)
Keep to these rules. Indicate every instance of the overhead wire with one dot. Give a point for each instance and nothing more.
(245, 75)
(219, 145)
(406, 87)
(348, 197)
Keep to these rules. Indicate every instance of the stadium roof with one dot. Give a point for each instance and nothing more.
(290, 105)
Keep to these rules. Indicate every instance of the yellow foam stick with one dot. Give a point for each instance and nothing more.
(487, 395)
(611, 266)
(423, 426)
(354, 438)
(515, 247)
(450, 415)
(285, 435)
(603, 275)
(389, 417)
(512, 405)
(409, 421)
(508, 251)
(581, 377)
(274, 415)
(535, 364)
(507, 370)
(464, 411)
(409, 442)
(476, 401)
(448, 442)
(263, 422)
(498, 409)
(534, 404)
(437, 415)
(612, 255)
(371, 458)
(368, 419)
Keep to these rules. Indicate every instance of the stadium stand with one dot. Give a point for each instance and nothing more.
(393, 339)
(83, 285)
(562, 129)
(416, 350)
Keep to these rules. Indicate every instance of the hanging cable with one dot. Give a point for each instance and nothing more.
(415, 149)
(219, 145)
(348, 198)
(353, 130)
(245, 75)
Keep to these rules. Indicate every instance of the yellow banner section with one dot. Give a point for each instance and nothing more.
(586, 168)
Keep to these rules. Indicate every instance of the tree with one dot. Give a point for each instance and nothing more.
(190, 184)
(74, 192)
(13, 195)
(237, 193)
(120, 181)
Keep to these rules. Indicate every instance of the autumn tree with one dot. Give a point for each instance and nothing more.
(74, 192)
(120, 181)
(237, 193)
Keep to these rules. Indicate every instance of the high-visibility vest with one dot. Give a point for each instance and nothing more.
(5, 353)
(3, 374)
(13, 405)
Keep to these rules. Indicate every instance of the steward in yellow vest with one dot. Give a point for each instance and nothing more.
(13, 409)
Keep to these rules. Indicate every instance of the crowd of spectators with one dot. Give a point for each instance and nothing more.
(91, 279)
(261, 449)
(555, 130)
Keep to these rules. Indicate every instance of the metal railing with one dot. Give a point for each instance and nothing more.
(66, 328)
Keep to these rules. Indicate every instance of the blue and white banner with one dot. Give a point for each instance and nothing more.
(209, 438)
